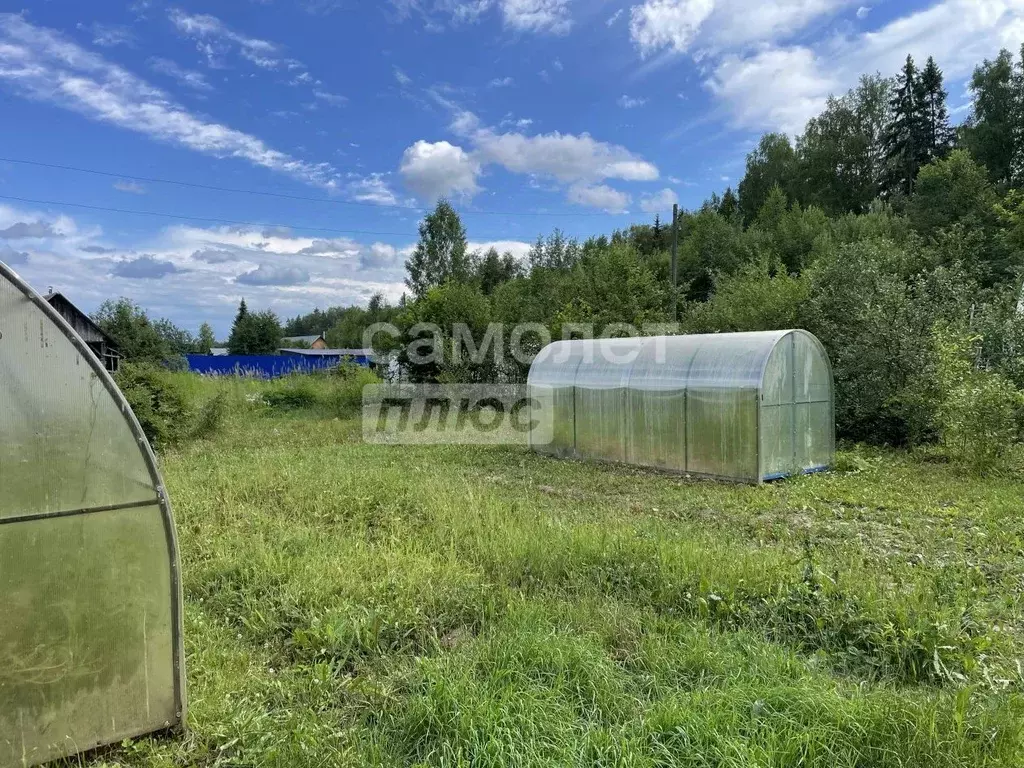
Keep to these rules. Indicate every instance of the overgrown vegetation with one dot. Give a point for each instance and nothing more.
(176, 408)
(355, 604)
(874, 225)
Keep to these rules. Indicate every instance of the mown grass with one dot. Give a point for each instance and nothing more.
(353, 604)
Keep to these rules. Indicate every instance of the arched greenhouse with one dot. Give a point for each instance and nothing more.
(749, 407)
(90, 603)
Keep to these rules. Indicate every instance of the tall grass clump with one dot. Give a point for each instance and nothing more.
(345, 396)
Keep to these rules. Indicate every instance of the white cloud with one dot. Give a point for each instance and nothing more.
(668, 23)
(615, 17)
(537, 15)
(187, 77)
(465, 10)
(384, 256)
(863, 11)
(266, 274)
(214, 39)
(11, 257)
(402, 78)
(30, 230)
(43, 65)
(542, 16)
(629, 102)
(660, 202)
(373, 189)
(205, 262)
(566, 157)
(522, 123)
(599, 196)
(780, 88)
(680, 25)
(501, 82)
(517, 248)
(109, 35)
(132, 187)
(434, 170)
(330, 98)
(144, 267)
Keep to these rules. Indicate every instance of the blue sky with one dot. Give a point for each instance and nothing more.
(585, 115)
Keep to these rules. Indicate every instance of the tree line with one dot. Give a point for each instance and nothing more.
(141, 339)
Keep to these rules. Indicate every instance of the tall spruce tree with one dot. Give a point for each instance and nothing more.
(906, 139)
(729, 208)
(934, 114)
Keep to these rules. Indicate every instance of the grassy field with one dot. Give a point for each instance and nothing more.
(352, 604)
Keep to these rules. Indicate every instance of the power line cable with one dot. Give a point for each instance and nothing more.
(203, 218)
(279, 195)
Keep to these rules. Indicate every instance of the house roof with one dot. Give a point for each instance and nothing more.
(307, 339)
(56, 299)
(330, 352)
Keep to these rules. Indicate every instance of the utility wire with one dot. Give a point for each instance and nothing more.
(280, 195)
(202, 218)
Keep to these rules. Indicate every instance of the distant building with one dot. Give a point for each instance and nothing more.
(219, 351)
(99, 342)
(314, 342)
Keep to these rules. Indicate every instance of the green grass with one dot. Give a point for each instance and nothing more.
(353, 604)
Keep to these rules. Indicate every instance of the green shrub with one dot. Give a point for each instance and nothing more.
(873, 305)
(346, 395)
(978, 410)
(292, 393)
(159, 402)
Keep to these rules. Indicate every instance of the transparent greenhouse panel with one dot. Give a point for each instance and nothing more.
(87, 638)
(813, 373)
(656, 400)
(562, 402)
(657, 428)
(815, 446)
(551, 383)
(601, 382)
(733, 360)
(777, 450)
(721, 433)
(66, 444)
(778, 384)
(90, 621)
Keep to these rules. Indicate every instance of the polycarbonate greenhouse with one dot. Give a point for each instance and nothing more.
(748, 407)
(90, 603)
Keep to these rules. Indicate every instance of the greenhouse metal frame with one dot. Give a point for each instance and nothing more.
(746, 407)
(90, 592)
